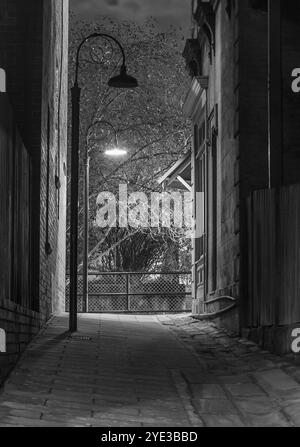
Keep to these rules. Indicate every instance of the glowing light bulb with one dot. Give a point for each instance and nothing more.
(116, 152)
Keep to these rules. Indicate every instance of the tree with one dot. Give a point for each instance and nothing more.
(149, 123)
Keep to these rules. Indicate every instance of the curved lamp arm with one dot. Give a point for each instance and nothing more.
(96, 123)
(92, 36)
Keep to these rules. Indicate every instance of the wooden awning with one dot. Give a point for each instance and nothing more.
(179, 175)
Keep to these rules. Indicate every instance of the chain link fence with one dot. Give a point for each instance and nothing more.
(139, 292)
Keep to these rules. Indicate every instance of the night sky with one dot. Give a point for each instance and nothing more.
(167, 12)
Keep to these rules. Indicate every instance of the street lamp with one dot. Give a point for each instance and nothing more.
(115, 152)
(123, 80)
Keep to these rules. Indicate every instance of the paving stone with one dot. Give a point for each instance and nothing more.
(67, 404)
(8, 405)
(24, 413)
(70, 419)
(205, 391)
(245, 389)
(22, 399)
(235, 379)
(195, 376)
(292, 411)
(277, 379)
(214, 406)
(273, 419)
(115, 423)
(27, 422)
(261, 364)
(290, 397)
(226, 420)
(255, 405)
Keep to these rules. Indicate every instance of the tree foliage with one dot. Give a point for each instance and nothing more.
(149, 124)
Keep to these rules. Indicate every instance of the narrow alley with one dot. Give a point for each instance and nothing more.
(150, 216)
(159, 371)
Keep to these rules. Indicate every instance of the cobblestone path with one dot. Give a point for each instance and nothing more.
(123, 370)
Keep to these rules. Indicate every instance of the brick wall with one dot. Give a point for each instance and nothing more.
(20, 325)
(34, 53)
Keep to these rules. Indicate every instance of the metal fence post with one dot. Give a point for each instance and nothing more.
(87, 295)
(127, 291)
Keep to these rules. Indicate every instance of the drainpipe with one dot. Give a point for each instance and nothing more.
(204, 83)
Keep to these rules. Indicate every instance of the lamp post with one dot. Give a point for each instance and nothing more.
(123, 80)
(115, 151)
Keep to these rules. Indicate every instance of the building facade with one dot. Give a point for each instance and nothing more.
(33, 150)
(245, 162)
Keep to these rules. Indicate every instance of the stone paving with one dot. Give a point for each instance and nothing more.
(151, 371)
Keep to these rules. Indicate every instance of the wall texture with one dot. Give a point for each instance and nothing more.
(252, 125)
(226, 87)
(291, 101)
(34, 54)
(53, 157)
(269, 305)
(231, 48)
(218, 59)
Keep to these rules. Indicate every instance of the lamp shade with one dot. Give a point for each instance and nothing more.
(123, 80)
